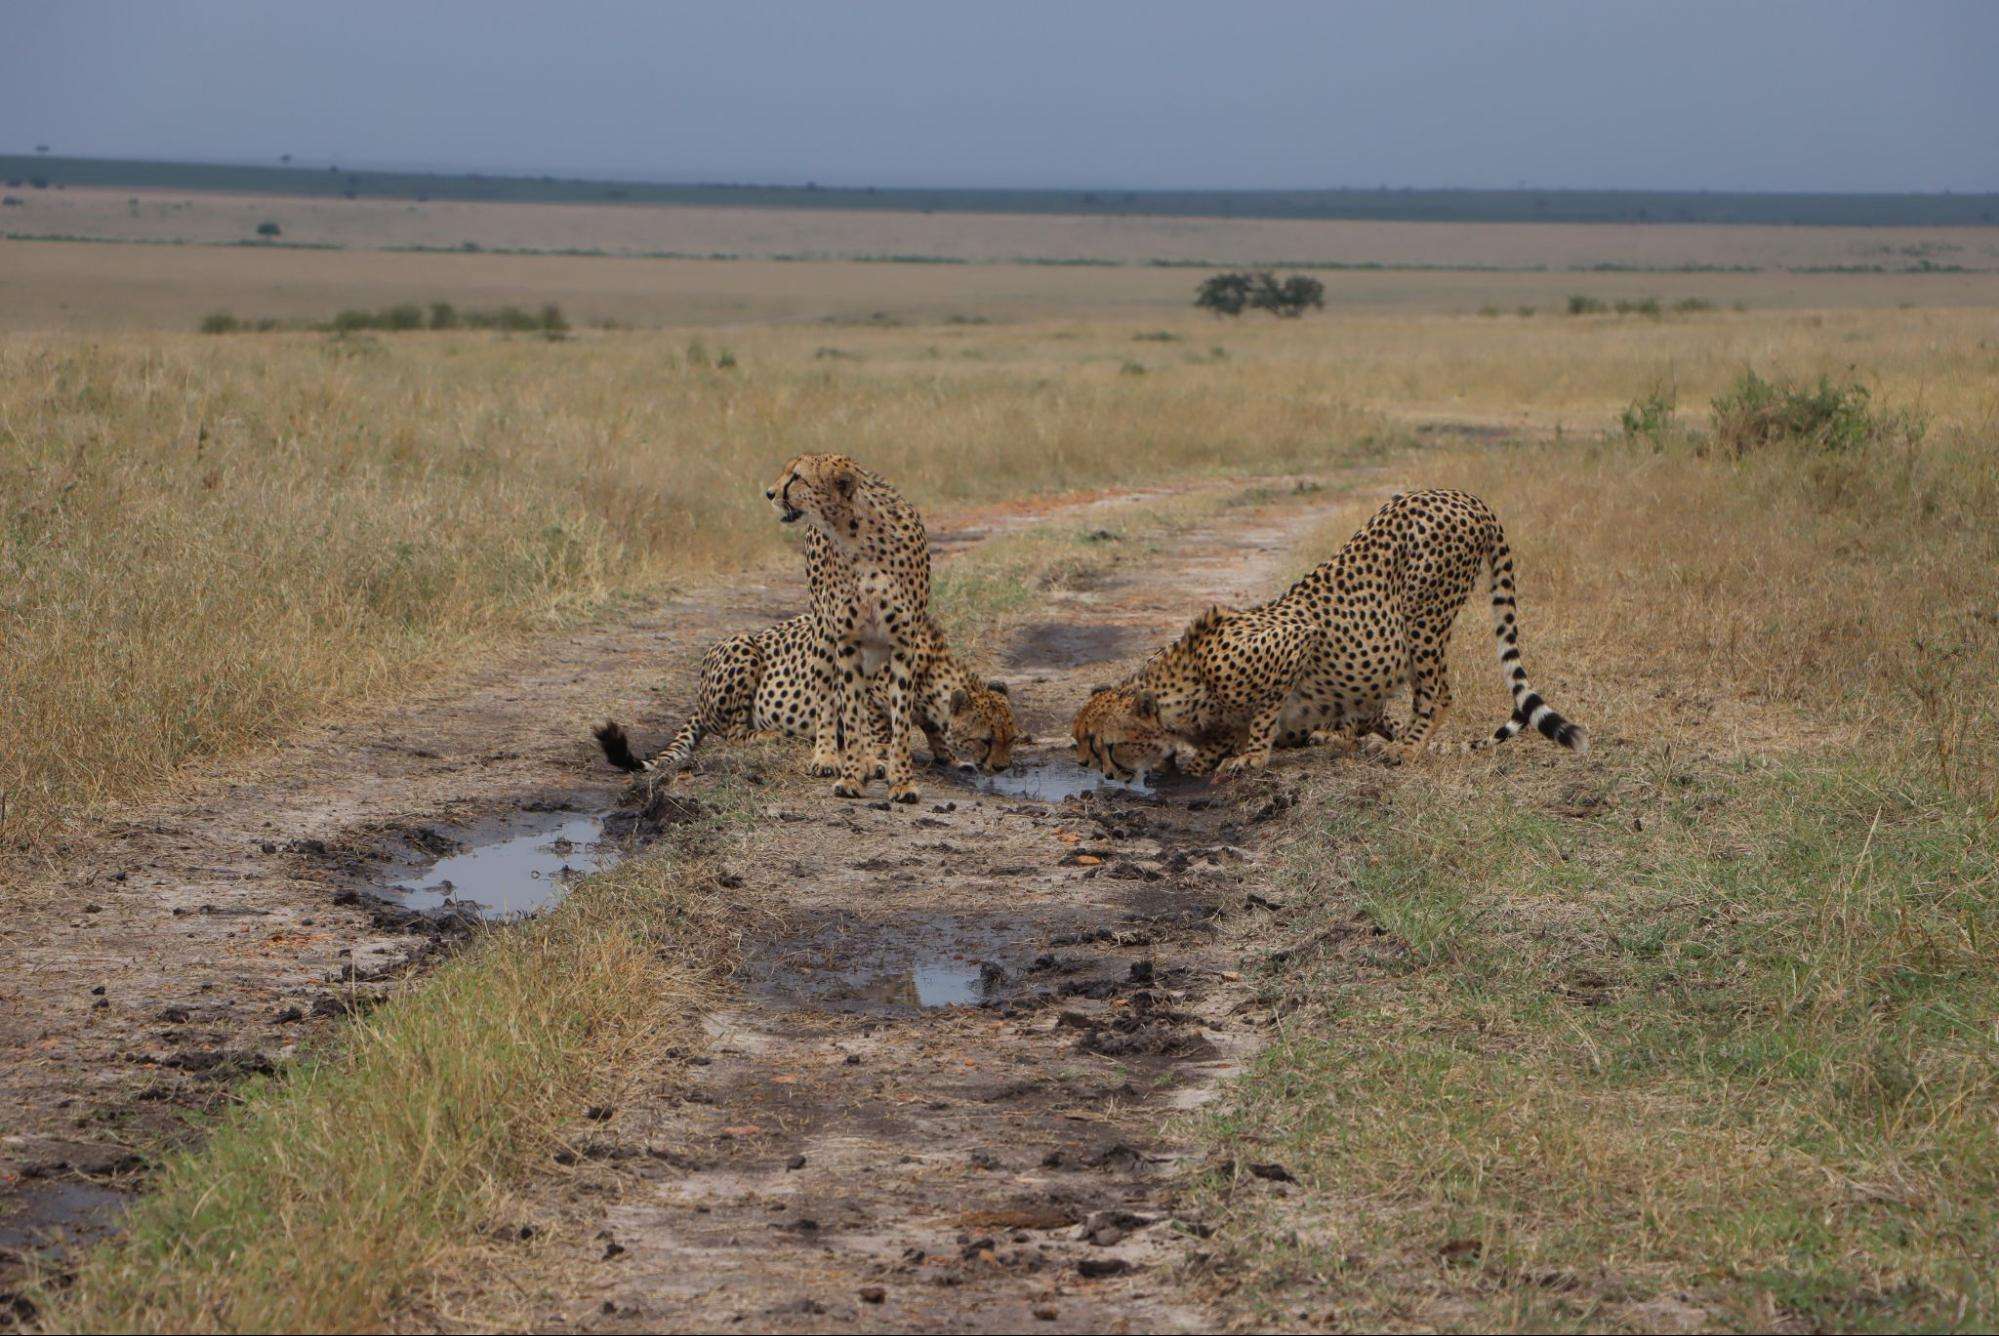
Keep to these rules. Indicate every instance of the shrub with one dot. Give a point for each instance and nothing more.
(1642, 306)
(220, 322)
(1690, 305)
(1290, 298)
(1524, 311)
(443, 315)
(1132, 369)
(1650, 418)
(1223, 294)
(552, 321)
(1583, 304)
(726, 362)
(407, 315)
(1829, 417)
(268, 228)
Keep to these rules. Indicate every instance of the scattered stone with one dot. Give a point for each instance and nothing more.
(1275, 1173)
(795, 1162)
(599, 1113)
(873, 1294)
(1096, 1268)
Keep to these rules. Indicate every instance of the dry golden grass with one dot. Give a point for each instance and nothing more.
(82, 285)
(209, 539)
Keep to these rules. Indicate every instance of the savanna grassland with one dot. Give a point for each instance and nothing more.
(1694, 1031)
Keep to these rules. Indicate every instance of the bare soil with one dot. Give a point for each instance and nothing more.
(945, 1072)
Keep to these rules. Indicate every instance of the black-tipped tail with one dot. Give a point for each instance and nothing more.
(617, 747)
(1543, 719)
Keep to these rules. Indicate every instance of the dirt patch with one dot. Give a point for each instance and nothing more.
(936, 1103)
(1050, 645)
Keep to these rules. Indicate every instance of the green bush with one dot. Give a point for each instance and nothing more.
(1642, 306)
(1829, 417)
(407, 315)
(1583, 304)
(269, 229)
(220, 322)
(443, 315)
(1650, 418)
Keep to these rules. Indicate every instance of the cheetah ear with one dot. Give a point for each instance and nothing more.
(844, 481)
(961, 700)
(1100, 690)
(997, 687)
(1147, 705)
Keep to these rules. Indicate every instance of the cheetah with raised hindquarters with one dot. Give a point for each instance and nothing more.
(769, 683)
(867, 560)
(1318, 662)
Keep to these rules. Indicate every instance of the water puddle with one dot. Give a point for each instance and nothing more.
(1053, 779)
(513, 869)
(846, 963)
(46, 1212)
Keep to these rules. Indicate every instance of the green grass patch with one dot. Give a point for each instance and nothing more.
(1673, 1043)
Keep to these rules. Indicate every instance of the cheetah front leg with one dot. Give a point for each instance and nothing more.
(1255, 751)
(826, 724)
(857, 724)
(899, 773)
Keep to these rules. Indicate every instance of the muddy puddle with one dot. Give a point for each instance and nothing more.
(1050, 779)
(847, 963)
(507, 869)
(45, 1214)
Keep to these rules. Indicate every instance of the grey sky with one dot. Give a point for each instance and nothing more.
(1740, 96)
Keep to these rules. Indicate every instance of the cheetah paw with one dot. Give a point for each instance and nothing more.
(850, 788)
(905, 792)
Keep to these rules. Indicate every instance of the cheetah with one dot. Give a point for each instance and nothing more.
(1316, 664)
(767, 683)
(867, 560)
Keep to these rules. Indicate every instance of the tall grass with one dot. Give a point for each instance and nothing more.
(205, 541)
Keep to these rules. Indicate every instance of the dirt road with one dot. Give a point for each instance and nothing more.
(945, 1068)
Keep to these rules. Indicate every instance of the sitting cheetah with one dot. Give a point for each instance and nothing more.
(867, 560)
(768, 683)
(1316, 664)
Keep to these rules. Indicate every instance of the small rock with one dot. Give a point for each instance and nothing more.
(97, 991)
(1046, 1313)
(795, 1162)
(1095, 1268)
(613, 1249)
(288, 1016)
(1276, 1173)
(598, 1113)
(873, 1294)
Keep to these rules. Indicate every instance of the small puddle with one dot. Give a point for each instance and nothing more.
(42, 1214)
(509, 871)
(847, 963)
(1052, 780)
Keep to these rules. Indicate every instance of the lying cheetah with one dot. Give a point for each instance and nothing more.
(1317, 663)
(768, 683)
(867, 560)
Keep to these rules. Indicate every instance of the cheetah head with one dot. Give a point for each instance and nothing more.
(823, 488)
(1118, 733)
(981, 727)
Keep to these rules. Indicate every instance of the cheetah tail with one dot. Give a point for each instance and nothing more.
(1529, 710)
(618, 747)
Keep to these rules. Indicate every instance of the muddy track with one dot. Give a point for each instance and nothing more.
(212, 936)
(936, 1104)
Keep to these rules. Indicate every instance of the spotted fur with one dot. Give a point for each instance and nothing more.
(769, 684)
(1317, 663)
(867, 561)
